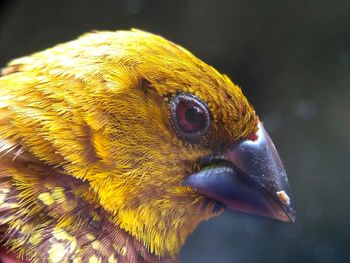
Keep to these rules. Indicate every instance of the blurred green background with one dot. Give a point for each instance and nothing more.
(292, 59)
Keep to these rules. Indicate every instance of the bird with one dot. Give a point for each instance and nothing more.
(116, 145)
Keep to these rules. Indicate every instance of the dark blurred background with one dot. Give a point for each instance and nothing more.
(292, 59)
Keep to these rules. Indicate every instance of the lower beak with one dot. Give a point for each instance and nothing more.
(249, 178)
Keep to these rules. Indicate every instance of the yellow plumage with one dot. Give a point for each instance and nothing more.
(91, 168)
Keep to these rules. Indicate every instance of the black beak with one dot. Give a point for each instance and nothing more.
(249, 178)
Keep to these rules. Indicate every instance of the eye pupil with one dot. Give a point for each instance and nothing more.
(190, 116)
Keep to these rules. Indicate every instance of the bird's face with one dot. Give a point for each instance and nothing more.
(164, 140)
(175, 141)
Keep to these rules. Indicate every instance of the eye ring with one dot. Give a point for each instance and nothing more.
(190, 116)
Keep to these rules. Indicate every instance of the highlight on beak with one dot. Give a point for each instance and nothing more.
(249, 178)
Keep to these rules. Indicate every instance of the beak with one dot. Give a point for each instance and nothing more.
(249, 178)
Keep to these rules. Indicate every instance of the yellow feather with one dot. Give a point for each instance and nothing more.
(96, 109)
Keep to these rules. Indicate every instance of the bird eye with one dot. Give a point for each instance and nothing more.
(190, 116)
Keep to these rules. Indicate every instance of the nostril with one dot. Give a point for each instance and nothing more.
(252, 137)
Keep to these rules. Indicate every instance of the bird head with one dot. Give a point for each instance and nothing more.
(164, 140)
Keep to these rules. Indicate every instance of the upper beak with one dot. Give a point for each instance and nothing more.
(249, 177)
